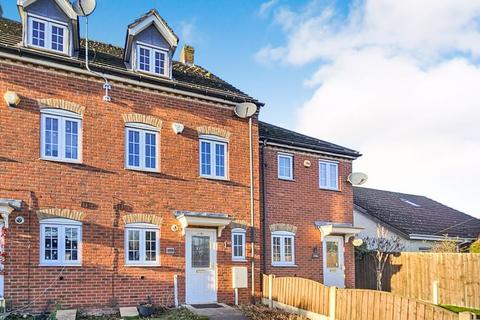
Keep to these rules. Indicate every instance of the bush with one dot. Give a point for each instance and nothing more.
(475, 247)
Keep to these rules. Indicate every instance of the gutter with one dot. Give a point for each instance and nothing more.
(71, 65)
(350, 156)
(416, 236)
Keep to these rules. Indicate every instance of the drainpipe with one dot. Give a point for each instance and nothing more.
(252, 208)
(263, 167)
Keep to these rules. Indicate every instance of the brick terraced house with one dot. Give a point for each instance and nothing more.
(127, 177)
(113, 203)
(307, 215)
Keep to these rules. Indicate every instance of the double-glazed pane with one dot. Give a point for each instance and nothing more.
(144, 59)
(159, 62)
(141, 149)
(150, 246)
(288, 245)
(38, 33)
(285, 167)
(57, 38)
(213, 159)
(200, 252)
(134, 245)
(51, 137)
(238, 243)
(71, 139)
(332, 254)
(276, 249)
(71, 244)
(51, 243)
(328, 175)
(134, 148)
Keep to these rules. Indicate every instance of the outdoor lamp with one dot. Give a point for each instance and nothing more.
(11, 98)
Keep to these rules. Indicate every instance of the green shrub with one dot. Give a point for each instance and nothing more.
(475, 247)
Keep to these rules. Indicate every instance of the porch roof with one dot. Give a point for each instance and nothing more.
(6, 207)
(202, 219)
(347, 230)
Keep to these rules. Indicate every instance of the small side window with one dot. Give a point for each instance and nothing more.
(238, 244)
(328, 175)
(285, 166)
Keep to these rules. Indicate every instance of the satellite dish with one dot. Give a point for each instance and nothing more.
(357, 178)
(245, 110)
(84, 7)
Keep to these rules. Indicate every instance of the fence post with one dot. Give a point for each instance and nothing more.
(435, 292)
(332, 303)
(270, 289)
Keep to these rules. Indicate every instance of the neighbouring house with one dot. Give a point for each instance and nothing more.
(307, 216)
(142, 194)
(417, 220)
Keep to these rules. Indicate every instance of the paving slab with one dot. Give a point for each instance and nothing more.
(223, 312)
(70, 314)
(128, 312)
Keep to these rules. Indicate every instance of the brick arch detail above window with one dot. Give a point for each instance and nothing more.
(239, 224)
(283, 227)
(142, 118)
(142, 218)
(60, 213)
(214, 131)
(61, 104)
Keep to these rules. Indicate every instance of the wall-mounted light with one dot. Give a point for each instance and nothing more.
(11, 98)
(177, 127)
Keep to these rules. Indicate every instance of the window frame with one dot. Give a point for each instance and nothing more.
(282, 235)
(151, 68)
(213, 140)
(143, 129)
(243, 233)
(328, 175)
(61, 224)
(49, 23)
(62, 116)
(287, 156)
(142, 228)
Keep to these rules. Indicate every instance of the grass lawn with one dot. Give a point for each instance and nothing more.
(178, 314)
(460, 309)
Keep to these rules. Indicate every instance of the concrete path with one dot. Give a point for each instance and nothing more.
(224, 313)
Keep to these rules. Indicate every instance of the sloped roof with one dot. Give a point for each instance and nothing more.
(413, 214)
(294, 139)
(148, 14)
(108, 58)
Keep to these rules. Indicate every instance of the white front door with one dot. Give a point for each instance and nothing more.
(333, 262)
(201, 262)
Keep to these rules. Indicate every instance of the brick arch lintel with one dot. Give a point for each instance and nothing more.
(61, 104)
(142, 218)
(214, 131)
(60, 213)
(239, 224)
(283, 227)
(142, 118)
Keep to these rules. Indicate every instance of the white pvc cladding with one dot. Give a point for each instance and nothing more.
(150, 35)
(56, 14)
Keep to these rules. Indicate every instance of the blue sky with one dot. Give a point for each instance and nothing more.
(396, 80)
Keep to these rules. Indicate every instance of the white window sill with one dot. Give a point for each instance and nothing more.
(214, 178)
(136, 265)
(61, 160)
(150, 73)
(143, 169)
(284, 265)
(59, 265)
(329, 189)
(239, 260)
(286, 179)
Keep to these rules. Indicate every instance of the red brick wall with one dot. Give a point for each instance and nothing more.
(102, 181)
(300, 203)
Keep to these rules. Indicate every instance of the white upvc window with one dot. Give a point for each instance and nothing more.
(238, 244)
(283, 248)
(141, 147)
(152, 60)
(47, 34)
(213, 154)
(285, 166)
(328, 175)
(142, 245)
(60, 242)
(61, 136)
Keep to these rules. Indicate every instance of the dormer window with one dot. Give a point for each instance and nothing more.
(47, 34)
(152, 60)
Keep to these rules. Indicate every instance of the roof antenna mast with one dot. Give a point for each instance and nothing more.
(84, 8)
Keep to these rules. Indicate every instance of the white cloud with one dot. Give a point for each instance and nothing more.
(189, 32)
(266, 7)
(397, 80)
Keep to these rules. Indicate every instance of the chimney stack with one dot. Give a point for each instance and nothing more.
(187, 55)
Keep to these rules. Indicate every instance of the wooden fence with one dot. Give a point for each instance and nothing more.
(316, 301)
(440, 278)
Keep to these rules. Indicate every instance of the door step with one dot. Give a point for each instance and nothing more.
(207, 306)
